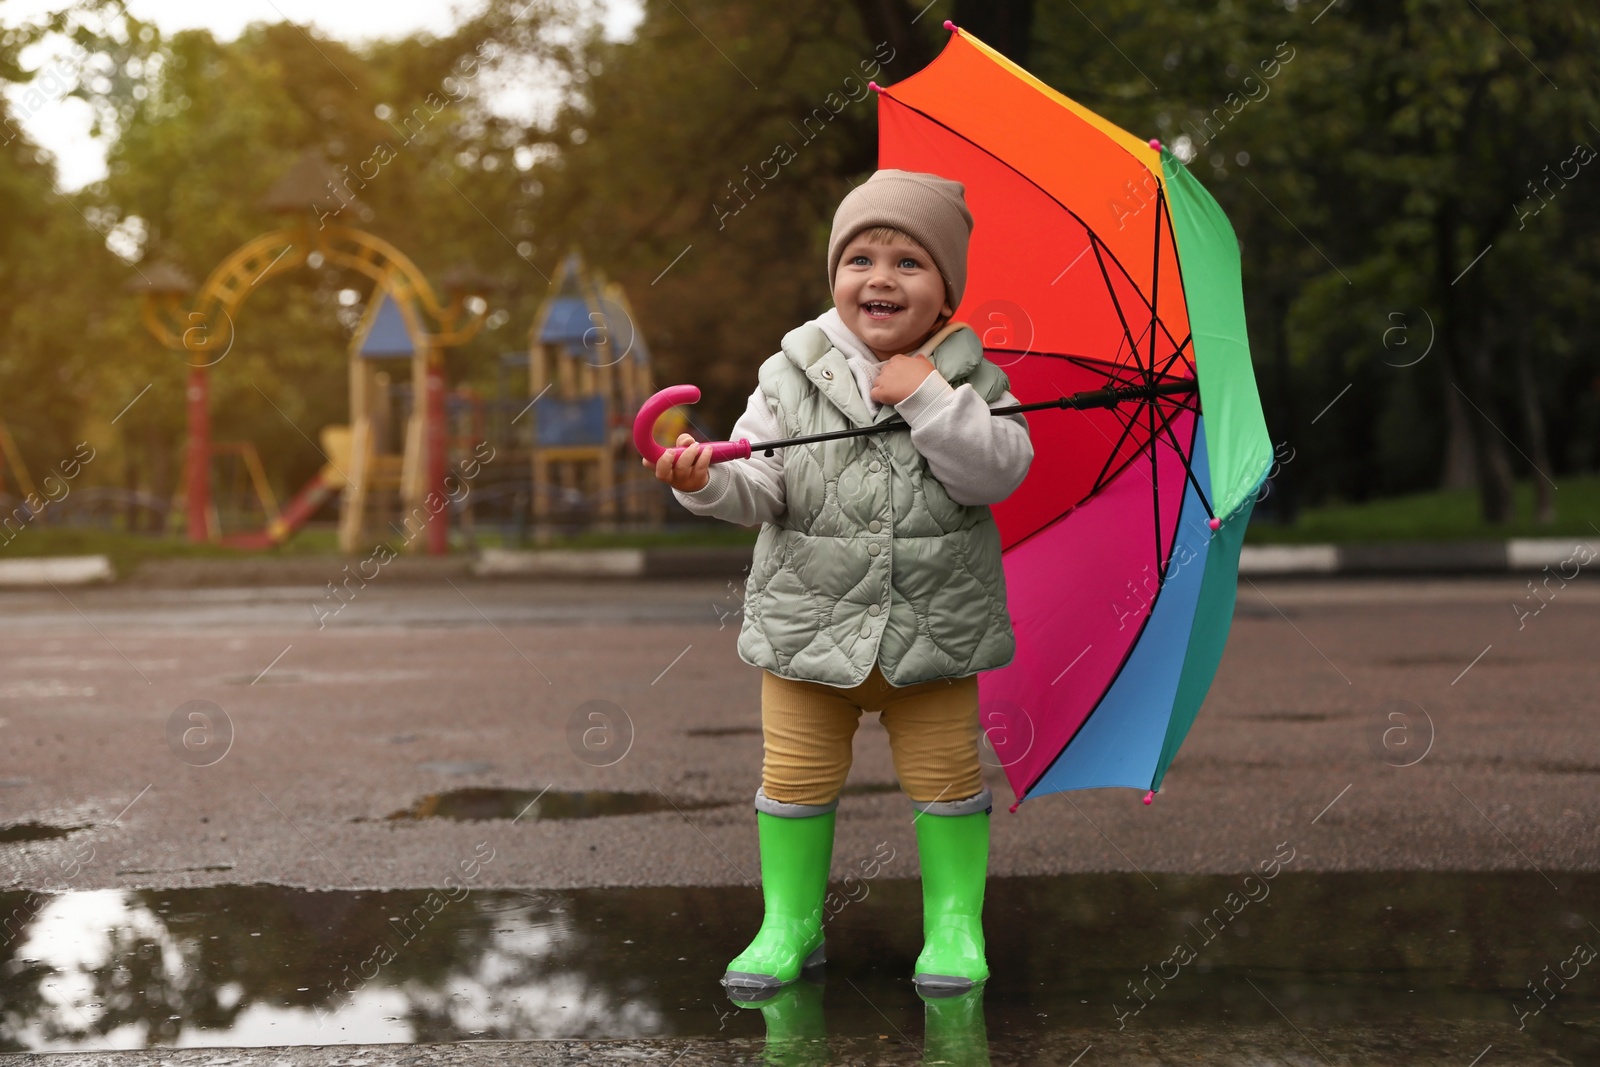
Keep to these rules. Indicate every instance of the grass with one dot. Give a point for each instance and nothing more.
(128, 550)
(1444, 515)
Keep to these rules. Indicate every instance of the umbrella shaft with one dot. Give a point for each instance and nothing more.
(1094, 398)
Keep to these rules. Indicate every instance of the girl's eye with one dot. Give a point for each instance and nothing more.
(858, 258)
(909, 263)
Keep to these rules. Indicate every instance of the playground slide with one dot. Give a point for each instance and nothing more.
(312, 496)
(326, 482)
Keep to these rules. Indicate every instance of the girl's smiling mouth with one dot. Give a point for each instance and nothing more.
(880, 309)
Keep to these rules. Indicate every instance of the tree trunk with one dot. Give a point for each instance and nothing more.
(160, 453)
(132, 520)
(1496, 483)
(1460, 452)
(1544, 500)
(1460, 472)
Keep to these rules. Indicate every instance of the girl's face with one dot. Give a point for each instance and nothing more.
(889, 295)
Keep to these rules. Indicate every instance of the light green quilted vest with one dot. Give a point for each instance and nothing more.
(871, 559)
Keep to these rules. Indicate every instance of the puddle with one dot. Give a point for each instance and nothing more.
(1359, 968)
(1289, 716)
(34, 831)
(722, 731)
(489, 803)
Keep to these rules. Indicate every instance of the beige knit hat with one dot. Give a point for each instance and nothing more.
(930, 209)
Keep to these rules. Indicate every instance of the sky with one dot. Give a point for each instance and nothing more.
(62, 125)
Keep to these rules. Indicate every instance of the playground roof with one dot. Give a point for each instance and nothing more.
(388, 335)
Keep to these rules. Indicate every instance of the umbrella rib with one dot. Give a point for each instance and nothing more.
(1177, 354)
(1111, 290)
(1164, 211)
(1186, 459)
(1155, 471)
(1107, 367)
(1127, 428)
(1155, 288)
(1155, 507)
(1098, 366)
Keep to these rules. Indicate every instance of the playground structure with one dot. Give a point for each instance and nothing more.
(588, 373)
(355, 466)
(562, 448)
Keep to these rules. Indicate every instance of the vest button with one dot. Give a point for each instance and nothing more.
(872, 609)
(866, 630)
(873, 549)
(874, 526)
(875, 466)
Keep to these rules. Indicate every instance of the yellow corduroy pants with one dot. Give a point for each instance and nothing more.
(807, 729)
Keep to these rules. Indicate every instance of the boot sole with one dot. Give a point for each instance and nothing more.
(750, 986)
(938, 986)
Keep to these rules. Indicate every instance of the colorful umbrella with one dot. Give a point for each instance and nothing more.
(1097, 261)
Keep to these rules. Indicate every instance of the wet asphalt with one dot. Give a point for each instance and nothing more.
(229, 737)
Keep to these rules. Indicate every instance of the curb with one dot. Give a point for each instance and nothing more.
(1381, 558)
(1415, 558)
(55, 570)
(637, 563)
(311, 570)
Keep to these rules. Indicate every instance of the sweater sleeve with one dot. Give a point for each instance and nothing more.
(744, 491)
(979, 458)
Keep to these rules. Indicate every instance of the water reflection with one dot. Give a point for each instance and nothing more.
(797, 1035)
(1423, 964)
(267, 966)
(954, 1032)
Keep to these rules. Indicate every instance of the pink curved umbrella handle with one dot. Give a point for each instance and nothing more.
(644, 427)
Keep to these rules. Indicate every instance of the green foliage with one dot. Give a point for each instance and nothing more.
(1365, 154)
(1441, 515)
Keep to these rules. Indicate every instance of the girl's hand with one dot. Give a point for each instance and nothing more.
(899, 377)
(692, 472)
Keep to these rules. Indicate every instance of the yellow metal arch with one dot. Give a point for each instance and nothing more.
(206, 330)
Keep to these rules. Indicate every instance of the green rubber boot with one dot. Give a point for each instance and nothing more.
(954, 853)
(955, 1032)
(795, 856)
(797, 1036)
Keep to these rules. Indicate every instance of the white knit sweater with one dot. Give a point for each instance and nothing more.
(979, 458)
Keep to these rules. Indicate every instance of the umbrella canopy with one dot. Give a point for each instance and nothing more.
(1096, 260)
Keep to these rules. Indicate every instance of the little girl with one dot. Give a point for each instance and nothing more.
(876, 583)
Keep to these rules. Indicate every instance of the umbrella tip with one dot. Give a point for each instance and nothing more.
(1148, 797)
(949, 25)
(1155, 144)
(1215, 523)
(1015, 806)
(875, 87)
